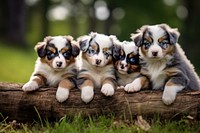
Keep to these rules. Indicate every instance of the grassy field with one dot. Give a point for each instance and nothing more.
(102, 124)
(17, 66)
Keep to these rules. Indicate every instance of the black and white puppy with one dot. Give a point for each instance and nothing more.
(126, 61)
(164, 64)
(96, 69)
(55, 66)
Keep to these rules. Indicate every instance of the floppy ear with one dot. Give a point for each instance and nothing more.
(84, 42)
(172, 32)
(116, 50)
(116, 46)
(75, 49)
(137, 39)
(40, 48)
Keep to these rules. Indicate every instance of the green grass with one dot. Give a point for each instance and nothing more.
(101, 124)
(16, 64)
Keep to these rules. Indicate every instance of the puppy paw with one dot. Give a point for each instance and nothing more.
(62, 94)
(134, 86)
(30, 86)
(87, 94)
(169, 95)
(107, 90)
(120, 87)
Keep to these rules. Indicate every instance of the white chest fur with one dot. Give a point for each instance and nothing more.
(157, 74)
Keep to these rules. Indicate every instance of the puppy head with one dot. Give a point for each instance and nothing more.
(57, 51)
(126, 57)
(96, 48)
(156, 41)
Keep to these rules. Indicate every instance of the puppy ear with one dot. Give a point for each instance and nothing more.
(84, 42)
(75, 49)
(137, 39)
(40, 49)
(172, 32)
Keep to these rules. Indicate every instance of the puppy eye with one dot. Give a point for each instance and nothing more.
(50, 55)
(66, 55)
(164, 44)
(132, 60)
(91, 51)
(146, 44)
(121, 57)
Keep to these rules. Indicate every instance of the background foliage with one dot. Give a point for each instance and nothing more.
(23, 23)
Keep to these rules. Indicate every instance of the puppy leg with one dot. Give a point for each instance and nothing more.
(87, 90)
(34, 83)
(170, 91)
(64, 87)
(137, 84)
(108, 87)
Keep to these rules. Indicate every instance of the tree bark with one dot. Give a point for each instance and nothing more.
(21, 106)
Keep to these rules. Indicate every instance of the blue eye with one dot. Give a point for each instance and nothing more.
(121, 57)
(146, 44)
(66, 55)
(91, 51)
(50, 55)
(132, 60)
(164, 44)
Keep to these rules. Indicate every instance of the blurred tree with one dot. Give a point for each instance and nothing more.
(191, 32)
(13, 21)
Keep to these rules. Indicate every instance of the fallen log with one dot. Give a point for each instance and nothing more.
(18, 105)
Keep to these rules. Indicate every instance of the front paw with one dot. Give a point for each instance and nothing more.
(134, 86)
(169, 95)
(62, 94)
(108, 90)
(87, 94)
(30, 86)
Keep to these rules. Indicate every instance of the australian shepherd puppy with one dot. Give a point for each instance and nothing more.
(126, 61)
(55, 66)
(97, 69)
(164, 64)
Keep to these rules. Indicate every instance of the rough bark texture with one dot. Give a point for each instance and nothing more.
(18, 105)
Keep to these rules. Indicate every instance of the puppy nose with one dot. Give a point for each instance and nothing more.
(59, 64)
(155, 53)
(98, 61)
(122, 66)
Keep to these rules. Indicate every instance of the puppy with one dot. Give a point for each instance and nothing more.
(164, 64)
(55, 66)
(97, 69)
(126, 61)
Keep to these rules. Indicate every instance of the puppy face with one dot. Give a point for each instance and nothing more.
(58, 51)
(97, 49)
(156, 41)
(126, 57)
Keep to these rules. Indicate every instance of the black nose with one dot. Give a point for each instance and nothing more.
(155, 53)
(98, 61)
(59, 64)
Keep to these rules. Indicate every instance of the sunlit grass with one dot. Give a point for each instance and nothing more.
(16, 65)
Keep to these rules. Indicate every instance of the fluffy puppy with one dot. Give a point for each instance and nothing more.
(164, 64)
(126, 61)
(55, 66)
(97, 69)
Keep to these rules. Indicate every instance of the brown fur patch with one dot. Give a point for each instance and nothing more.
(65, 83)
(64, 49)
(87, 83)
(94, 46)
(171, 71)
(169, 50)
(51, 49)
(170, 83)
(144, 82)
(40, 79)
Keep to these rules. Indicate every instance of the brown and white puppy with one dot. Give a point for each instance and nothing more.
(55, 66)
(97, 69)
(164, 64)
(126, 61)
